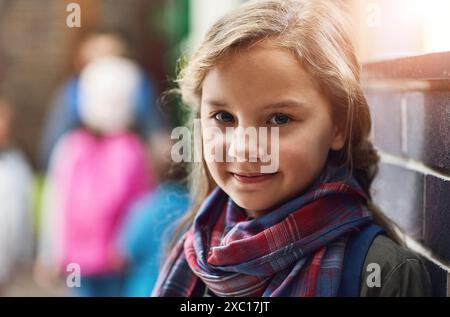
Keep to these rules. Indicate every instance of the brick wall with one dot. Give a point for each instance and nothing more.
(410, 104)
(34, 43)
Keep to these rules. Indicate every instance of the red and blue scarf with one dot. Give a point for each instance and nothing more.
(296, 250)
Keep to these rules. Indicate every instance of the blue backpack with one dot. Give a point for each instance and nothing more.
(354, 257)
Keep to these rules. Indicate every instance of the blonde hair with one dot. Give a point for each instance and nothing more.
(317, 33)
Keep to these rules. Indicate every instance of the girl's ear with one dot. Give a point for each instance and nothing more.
(338, 140)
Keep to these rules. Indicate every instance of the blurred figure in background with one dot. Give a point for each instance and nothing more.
(16, 234)
(96, 173)
(149, 227)
(64, 110)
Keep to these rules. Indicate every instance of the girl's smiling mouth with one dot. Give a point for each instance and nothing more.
(251, 178)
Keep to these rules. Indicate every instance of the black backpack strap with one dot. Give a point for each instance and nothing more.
(355, 254)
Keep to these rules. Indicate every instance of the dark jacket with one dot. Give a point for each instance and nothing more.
(403, 273)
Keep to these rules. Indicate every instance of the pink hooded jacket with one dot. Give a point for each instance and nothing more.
(95, 180)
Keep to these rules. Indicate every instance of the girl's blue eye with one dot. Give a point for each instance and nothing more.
(279, 119)
(223, 116)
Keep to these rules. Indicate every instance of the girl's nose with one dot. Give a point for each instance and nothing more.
(244, 144)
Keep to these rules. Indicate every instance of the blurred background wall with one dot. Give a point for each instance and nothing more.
(38, 49)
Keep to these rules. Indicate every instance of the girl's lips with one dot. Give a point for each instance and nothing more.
(251, 178)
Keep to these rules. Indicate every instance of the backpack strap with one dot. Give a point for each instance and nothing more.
(355, 254)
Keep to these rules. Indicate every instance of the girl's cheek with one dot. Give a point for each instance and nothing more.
(292, 153)
(299, 149)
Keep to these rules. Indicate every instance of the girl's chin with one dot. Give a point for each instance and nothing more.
(255, 206)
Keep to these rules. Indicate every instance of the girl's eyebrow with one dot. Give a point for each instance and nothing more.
(285, 104)
(289, 103)
(214, 103)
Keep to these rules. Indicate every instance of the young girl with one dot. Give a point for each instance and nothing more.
(286, 64)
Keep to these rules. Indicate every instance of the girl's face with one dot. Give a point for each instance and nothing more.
(266, 86)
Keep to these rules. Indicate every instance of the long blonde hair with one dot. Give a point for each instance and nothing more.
(317, 33)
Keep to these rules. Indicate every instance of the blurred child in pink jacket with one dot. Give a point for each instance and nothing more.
(96, 173)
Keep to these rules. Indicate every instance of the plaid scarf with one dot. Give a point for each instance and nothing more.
(296, 250)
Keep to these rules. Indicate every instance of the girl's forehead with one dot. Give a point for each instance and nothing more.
(260, 73)
(255, 52)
